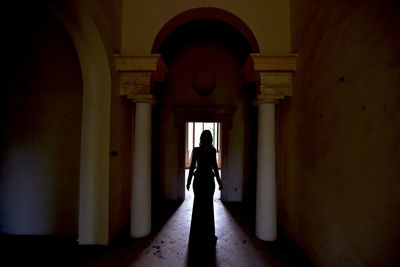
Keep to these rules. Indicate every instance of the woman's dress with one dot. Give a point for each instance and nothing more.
(202, 229)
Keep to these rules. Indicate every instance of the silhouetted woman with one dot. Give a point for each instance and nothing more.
(202, 229)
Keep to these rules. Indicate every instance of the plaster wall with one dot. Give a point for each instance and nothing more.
(142, 20)
(41, 101)
(179, 92)
(120, 163)
(338, 135)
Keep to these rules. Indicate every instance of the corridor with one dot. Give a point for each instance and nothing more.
(96, 103)
(236, 245)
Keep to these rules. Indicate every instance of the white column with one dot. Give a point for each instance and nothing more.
(266, 174)
(141, 172)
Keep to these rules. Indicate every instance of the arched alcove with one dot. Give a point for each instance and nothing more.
(206, 58)
(213, 41)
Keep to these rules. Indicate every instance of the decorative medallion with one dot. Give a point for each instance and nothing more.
(203, 82)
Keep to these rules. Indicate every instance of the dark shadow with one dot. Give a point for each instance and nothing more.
(162, 211)
(282, 248)
(40, 250)
(201, 256)
(124, 250)
(243, 213)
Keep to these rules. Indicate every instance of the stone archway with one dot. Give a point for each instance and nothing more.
(271, 74)
(95, 135)
(209, 13)
(203, 38)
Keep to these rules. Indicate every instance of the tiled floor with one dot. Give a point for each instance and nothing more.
(236, 245)
(167, 246)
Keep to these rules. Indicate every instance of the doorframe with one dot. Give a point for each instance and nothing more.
(217, 113)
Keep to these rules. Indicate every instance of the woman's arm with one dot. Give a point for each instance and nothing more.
(215, 168)
(191, 170)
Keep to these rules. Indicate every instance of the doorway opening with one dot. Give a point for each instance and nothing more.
(192, 139)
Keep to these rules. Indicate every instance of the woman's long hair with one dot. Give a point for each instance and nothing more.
(206, 138)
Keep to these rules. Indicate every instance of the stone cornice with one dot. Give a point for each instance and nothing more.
(138, 74)
(272, 75)
(270, 62)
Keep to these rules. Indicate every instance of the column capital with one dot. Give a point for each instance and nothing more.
(150, 99)
(138, 74)
(259, 100)
(272, 75)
